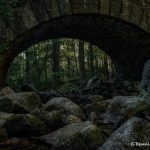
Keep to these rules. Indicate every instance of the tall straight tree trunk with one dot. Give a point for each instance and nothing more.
(75, 56)
(27, 66)
(106, 66)
(44, 64)
(45, 73)
(96, 64)
(91, 60)
(56, 60)
(68, 60)
(35, 66)
(81, 64)
(69, 67)
(88, 63)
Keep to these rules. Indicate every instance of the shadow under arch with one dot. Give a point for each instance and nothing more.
(126, 44)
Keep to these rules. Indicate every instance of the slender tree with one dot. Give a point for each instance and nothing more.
(27, 65)
(81, 63)
(92, 72)
(56, 60)
(75, 51)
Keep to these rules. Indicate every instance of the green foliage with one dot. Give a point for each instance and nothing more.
(97, 136)
(35, 66)
(69, 87)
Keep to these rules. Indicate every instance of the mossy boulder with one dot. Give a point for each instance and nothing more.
(142, 107)
(65, 104)
(133, 130)
(92, 135)
(6, 91)
(20, 102)
(96, 98)
(70, 119)
(50, 118)
(98, 107)
(21, 124)
(123, 108)
(84, 135)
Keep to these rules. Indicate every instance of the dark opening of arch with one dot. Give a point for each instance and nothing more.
(126, 44)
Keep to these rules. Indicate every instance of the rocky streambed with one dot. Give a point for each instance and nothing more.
(102, 116)
(86, 120)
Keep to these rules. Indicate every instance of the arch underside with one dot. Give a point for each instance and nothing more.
(128, 44)
(30, 13)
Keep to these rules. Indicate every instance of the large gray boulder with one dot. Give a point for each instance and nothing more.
(65, 104)
(84, 135)
(20, 102)
(22, 124)
(98, 107)
(123, 108)
(132, 131)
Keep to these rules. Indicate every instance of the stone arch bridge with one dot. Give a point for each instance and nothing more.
(119, 27)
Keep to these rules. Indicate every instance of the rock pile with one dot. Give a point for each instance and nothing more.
(102, 116)
(27, 123)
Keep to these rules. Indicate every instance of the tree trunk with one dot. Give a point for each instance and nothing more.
(75, 57)
(45, 73)
(27, 66)
(96, 64)
(69, 67)
(81, 64)
(44, 63)
(56, 60)
(92, 71)
(106, 66)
